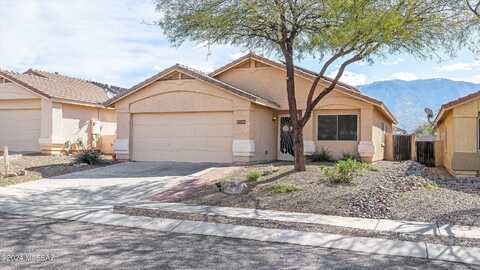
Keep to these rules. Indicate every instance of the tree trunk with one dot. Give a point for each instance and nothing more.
(298, 148)
(297, 133)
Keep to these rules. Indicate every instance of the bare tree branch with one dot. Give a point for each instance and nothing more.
(475, 8)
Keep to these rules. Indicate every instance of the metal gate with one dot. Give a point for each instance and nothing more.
(426, 153)
(402, 147)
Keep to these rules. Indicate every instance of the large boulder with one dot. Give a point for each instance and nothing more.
(234, 188)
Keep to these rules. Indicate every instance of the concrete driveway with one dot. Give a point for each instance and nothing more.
(99, 188)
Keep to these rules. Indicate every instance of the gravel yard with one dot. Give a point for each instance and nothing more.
(36, 166)
(394, 190)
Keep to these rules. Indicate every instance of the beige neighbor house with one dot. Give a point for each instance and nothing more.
(239, 113)
(458, 129)
(41, 111)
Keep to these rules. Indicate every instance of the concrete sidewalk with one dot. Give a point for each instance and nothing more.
(102, 215)
(383, 225)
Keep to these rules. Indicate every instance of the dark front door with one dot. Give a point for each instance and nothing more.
(286, 141)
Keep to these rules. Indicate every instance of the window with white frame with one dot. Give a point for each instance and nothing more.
(337, 127)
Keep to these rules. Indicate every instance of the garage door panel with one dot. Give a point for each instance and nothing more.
(20, 129)
(187, 137)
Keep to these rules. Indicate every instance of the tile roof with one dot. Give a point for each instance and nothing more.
(54, 85)
(454, 103)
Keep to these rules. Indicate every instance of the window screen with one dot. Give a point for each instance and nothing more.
(347, 127)
(327, 128)
(337, 128)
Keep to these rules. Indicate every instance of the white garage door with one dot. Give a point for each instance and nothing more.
(185, 137)
(20, 129)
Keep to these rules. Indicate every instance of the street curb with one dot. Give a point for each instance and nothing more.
(376, 225)
(324, 240)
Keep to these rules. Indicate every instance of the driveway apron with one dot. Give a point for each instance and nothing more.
(100, 188)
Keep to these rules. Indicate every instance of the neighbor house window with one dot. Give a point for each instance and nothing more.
(337, 128)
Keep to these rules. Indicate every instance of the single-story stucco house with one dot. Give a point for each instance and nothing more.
(458, 129)
(239, 113)
(41, 111)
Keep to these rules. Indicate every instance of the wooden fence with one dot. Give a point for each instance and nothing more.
(402, 147)
(426, 152)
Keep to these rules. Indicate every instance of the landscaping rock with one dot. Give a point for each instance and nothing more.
(403, 190)
(233, 188)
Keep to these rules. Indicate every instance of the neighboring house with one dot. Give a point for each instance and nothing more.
(457, 125)
(239, 113)
(41, 111)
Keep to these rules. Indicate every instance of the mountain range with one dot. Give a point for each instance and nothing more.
(408, 99)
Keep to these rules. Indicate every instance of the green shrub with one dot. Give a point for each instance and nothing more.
(269, 170)
(344, 171)
(253, 176)
(431, 186)
(346, 156)
(90, 157)
(282, 188)
(322, 156)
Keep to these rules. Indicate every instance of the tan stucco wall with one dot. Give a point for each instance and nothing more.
(20, 124)
(20, 104)
(19, 118)
(446, 135)
(13, 92)
(191, 95)
(187, 95)
(76, 124)
(460, 147)
(465, 119)
(264, 133)
(269, 82)
(59, 121)
(381, 129)
(336, 148)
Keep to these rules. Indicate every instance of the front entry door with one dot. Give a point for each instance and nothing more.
(285, 142)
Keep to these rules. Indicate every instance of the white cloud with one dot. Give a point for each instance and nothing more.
(351, 78)
(475, 79)
(206, 67)
(395, 61)
(80, 39)
(109, 41)
(460, 66)
(237, 55)
(405, 76)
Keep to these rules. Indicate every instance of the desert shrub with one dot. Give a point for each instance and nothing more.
(431, 186)
(90, 157)
(344, 171)
(323, 156)
(346, 156)
(253, 176)
(283, 188)
(269, 170)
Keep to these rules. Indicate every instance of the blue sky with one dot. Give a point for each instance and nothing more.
(114, 41)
